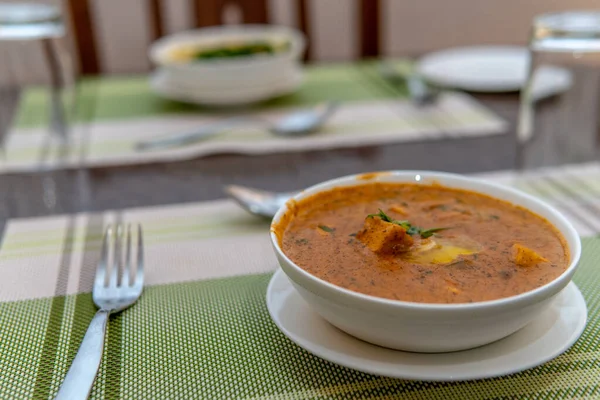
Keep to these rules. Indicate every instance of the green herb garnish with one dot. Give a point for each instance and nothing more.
(425, 233)
(410, 229)
(326, 228)
(413, 230)
(381, 215)
(233, 50)
(387, 218)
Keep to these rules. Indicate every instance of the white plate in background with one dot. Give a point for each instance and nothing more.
(492, 69)
(548, 336)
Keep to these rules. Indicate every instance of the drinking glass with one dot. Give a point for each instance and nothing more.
(564, 61)
(24, 24)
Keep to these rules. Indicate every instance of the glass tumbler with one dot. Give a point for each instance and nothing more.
(560, 100)
(28, 29)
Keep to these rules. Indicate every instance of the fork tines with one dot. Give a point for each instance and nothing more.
(114, 270)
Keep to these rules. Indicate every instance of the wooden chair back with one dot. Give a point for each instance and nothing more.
(212, 12)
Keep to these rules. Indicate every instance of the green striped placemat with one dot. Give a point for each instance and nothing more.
(201, 329)
(114, 114)
(125, 97)
(214, 340)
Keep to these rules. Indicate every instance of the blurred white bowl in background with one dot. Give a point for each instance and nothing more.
(163, 85)
(228, 81)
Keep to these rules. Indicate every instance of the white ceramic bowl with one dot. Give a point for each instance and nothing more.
(162, 84)
(231, 73)
(421, 327)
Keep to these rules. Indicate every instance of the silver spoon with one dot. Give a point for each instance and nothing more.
(297, 123)
(419, 91)
(256, 201)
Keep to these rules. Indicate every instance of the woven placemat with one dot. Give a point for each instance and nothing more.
(118, 98)
(215, 340)
(201, 329)
(114, 114)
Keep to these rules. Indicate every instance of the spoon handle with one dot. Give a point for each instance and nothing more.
(419, 91)
(181, 139)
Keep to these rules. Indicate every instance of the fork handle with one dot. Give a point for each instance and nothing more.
(80, 378)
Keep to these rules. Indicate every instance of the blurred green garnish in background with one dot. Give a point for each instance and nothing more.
(241, 50)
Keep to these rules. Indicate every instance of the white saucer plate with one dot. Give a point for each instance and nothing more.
(551, 334)
(491, 69)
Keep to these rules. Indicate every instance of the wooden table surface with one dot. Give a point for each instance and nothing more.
(567, 133)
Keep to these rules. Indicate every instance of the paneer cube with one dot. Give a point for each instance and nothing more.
(453, 290)
(384, 237)
(399, 210)
(525, 257)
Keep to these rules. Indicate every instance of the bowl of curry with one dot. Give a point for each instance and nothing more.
(424, 261)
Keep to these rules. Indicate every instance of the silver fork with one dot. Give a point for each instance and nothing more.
(113, 292)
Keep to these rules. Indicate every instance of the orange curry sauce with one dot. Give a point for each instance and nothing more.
(319, 234)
